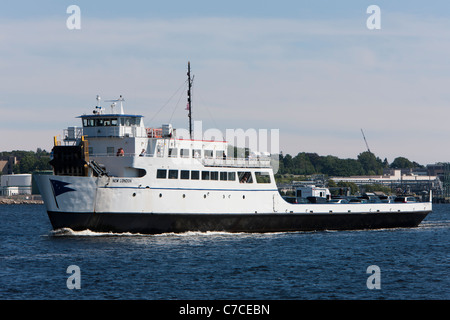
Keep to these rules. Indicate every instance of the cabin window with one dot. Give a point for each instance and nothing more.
(88, 122)
(224, 176)
(114, 122)
(184, 153)
(196, 153)
(245, 177)
(173, 174)
(195, 175)
(262, 177)
(231, 176)
(110, 151)
(161, 174)
(205, 175)
(219, 154)
(209, 153)
(214, 175)
(173, 152)
(129, 121)
(159, 152)
(184, 174)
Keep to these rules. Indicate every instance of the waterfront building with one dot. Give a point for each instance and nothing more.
(396, 180)
(15, 184)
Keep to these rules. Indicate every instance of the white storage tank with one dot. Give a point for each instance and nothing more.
(14, 184)
(16, 180)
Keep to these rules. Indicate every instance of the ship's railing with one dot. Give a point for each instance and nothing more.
(116, 155)
(208, 162)
(237, 162)
(72, 135)
(154, 132)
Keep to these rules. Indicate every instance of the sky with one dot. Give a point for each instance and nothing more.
(311, 69)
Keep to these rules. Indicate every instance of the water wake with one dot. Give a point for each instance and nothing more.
(67, 232)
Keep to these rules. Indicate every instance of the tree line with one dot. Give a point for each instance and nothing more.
(302, 164)
(366, 164)
(28, 161)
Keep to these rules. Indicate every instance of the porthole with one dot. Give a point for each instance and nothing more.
(134, 194)
(243, 197)
(160, 195)
(184, 196)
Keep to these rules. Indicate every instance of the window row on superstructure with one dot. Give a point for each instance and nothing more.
(111, 122)
(242, 176)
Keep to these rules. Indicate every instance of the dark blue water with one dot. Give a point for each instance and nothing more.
(414, 263)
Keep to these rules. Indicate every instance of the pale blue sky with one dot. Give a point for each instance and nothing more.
(296, 9)
(311, 69)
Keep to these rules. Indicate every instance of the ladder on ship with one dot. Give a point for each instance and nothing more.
(97, 168)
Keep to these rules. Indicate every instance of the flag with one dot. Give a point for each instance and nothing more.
(59, 187)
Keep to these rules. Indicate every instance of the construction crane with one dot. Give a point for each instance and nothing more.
(365, 141)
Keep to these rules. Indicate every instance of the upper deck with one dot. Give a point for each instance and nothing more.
(122, 143)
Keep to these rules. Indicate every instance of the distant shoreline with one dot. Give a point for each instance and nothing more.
(6, 201)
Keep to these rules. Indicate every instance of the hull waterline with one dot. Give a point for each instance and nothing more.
(253, 223)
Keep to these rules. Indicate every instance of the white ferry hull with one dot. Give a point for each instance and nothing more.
(81, 203)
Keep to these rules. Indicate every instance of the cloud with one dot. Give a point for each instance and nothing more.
(318, 81)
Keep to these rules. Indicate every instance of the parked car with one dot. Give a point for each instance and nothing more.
(357, 200)
(387, 199)
(405, 199)
(291, 199)
(338, 201)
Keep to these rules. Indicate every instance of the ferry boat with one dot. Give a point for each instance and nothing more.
(113, 174)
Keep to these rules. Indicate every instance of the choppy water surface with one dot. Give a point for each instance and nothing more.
(413, 263)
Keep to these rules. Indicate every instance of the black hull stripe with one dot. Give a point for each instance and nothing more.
(146, 223)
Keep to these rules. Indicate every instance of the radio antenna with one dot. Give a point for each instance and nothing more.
(189, 98)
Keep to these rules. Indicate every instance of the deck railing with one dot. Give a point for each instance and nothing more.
(208, 162)
(237, 162)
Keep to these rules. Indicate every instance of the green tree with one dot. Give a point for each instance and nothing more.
(29, 161)
(353, 187)
(302, 165)
(401, 162)
(370, 163)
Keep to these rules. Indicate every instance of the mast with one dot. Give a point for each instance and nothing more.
(189, 93)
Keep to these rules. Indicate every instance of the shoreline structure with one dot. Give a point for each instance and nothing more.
(21, 200)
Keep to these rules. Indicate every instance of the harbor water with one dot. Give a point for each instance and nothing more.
(38, 263)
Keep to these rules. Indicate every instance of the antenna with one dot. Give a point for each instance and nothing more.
(189, 93)
(98, 108)
(121, 99)
(365, 141)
